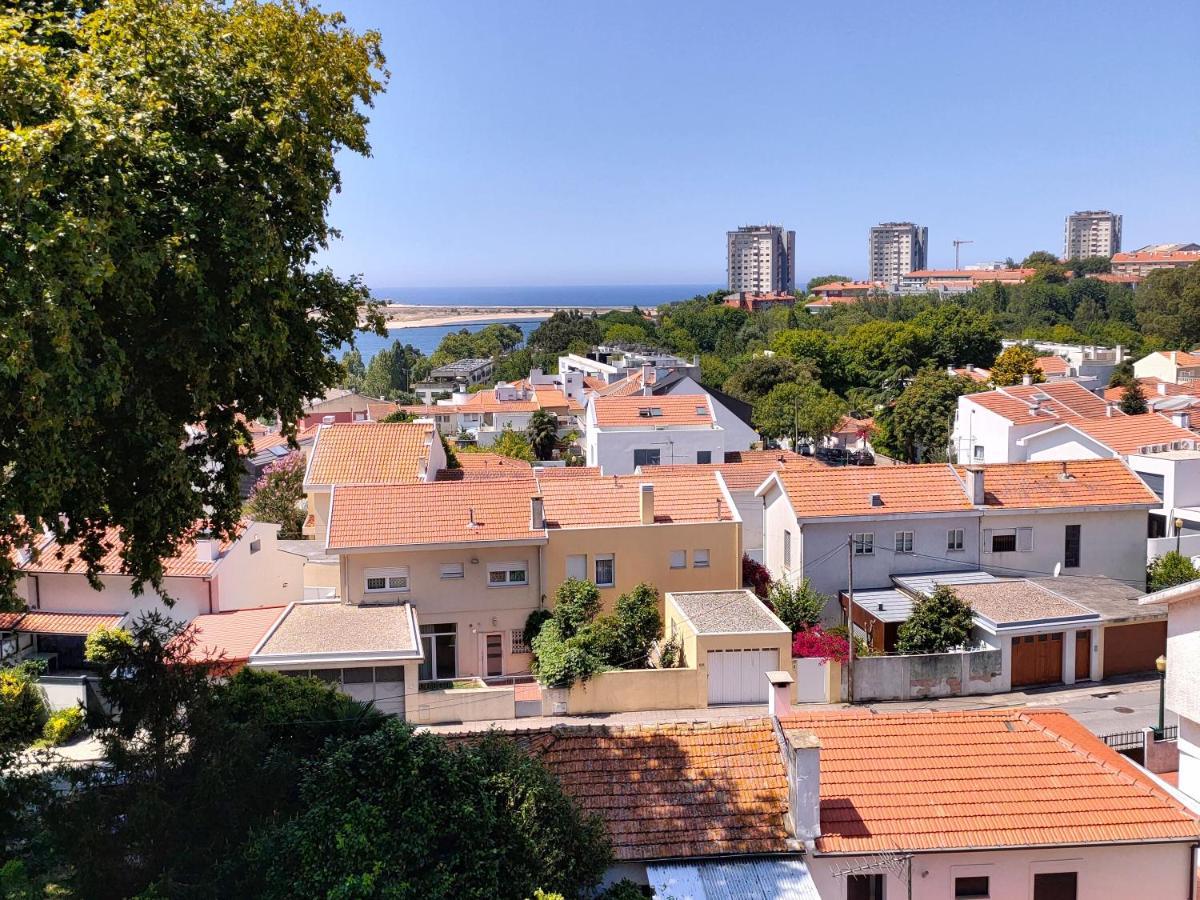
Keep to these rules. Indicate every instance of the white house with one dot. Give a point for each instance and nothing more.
(1171, 366)
(624, 432)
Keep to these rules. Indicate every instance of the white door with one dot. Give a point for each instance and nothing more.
(739, 676)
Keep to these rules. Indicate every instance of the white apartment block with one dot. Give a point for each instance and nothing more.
(762, 259)
(895, 249)
(1091, 233)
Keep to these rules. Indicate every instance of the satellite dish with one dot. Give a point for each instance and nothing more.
(1057, 569)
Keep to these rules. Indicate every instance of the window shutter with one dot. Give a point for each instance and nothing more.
(987, 540)
(577, 567)
(1025, 539)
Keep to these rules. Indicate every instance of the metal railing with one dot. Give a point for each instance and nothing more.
(1132, 740)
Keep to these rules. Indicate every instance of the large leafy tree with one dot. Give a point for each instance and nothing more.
(939, 622)
(165, 173)
(542, 433)
(798, 410)
(918, 423)
(755, 377)
(1014, 364)
(1168, 306)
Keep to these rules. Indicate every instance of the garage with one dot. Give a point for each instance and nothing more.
(1037, 659)
(739, 676)
(1133, 648)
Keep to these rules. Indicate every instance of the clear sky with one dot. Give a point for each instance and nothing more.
(616, 141)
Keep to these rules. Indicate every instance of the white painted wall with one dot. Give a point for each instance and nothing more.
(1183, 659)
(612, 449)
(1112, 543)
(975, 425)
(1063, 443)
(738, 435)
(70, 592)
(1181, 476)
(270, 577)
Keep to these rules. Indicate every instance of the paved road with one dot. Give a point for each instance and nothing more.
(1128, 705)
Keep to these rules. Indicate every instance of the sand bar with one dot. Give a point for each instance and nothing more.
(412, 316)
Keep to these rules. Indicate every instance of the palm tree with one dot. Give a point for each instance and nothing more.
(543, 433)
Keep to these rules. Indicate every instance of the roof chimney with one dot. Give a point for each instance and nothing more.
(1027, 379)
(1182, 419)
(974, 479)
(208, 548)
(1110, 408)
(1162, 388)
(646, 503)
(537, 514)
(801, 751)
(779, 701)
(327, 420)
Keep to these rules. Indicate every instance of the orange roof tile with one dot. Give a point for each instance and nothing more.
(1052, 365)
(979, 779)
(1129, 434)
(1180, 257)
(1181, 357)
(44, 622)
(1066, 400)
(228, 637)
(614, 499)
(975, 373)
(974, 275)
(479, 466)
(486, 401)
(672, 791)
(370, 453)
(632, 384)
(625, 412)
(927, 488)
(1151, 387)
(1041, 485)
(55, 557)
(402, 515)
(748, 470)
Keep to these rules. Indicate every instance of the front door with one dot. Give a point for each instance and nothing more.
(493, 654)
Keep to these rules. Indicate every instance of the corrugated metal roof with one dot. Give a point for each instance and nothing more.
(783, 878)
(925, 583)
(886, 605)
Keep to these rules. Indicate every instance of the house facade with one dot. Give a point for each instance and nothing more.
(623, 433)
(1171, 366)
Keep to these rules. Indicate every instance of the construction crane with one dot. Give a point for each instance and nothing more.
(958, 244)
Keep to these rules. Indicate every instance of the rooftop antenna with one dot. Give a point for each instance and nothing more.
(957, 244)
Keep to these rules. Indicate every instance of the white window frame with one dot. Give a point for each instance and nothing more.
(700, 558)
(977, 453)
(678, 559)
(581, 561)
(452, 571)
(864, 543)
(609, 558)
(1022, 539)
(507, 569)
(389, 574)
(956, 540)
(904, 541)
(787, 549)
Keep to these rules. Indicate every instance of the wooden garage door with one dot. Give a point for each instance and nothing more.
(1133, 648)
(1037, 659)
(739, 676)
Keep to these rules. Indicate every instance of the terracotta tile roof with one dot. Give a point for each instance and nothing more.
(568, 472)
(1056, 400)
(975, 373)
(43, 622)
(370, 453)
(851, 425)
(1151, 386)
(1178, 257)
(979, 779)
(55, 557)
(676, 410)
(1129, 434)
(631, 385)
(1040, 485)
(1181, 357)
(592, 383)
(673, 790)
(1018, 600)
(481, 466)
(974, 275)
(748, 470)
(1114, 278)
(404, 515)
(931, 487)
(858, 287)
(614, 499)
(1052, 365)
(230, 636)
(380, 408)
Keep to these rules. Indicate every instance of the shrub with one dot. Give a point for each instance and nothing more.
(62, 725)
(278, 495)
(816, 643)
(939, 621)
(670, 653)
(106, 644)
(576, 603)
(559, 662)
(1169, 570)
(639, 626)
(797, 605)
(533, 624)
(22, 706)
(755, 576)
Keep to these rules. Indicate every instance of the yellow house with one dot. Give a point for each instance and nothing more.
(679, 531)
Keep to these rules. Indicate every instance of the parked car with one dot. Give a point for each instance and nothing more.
(861, 458)
(835, 456)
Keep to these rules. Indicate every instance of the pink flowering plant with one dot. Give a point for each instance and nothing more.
(816, 643)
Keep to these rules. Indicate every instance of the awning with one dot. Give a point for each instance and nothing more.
(782, 878)
(81, 624)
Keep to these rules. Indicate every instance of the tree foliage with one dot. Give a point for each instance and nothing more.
(1133, 399)
(510, 443)
(488, 342)
(165, 172)
(1169, 570)
(542, 434)
(939, 622)
(918, 423)
(1014, 364)
(797, 605)
(563, 329)
(393, 371)
(824, 279)
(278, 496)
(802, 409)
(1168, 306)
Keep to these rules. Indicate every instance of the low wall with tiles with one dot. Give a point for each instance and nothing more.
(929, 675)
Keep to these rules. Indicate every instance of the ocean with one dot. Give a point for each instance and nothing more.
(426, 339)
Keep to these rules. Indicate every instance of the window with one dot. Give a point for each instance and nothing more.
(702, 410)
(577, 567)
(904, 542)
(650, 412)
(1008, 540)
(787, 549)
(452, 570)
(1071, 550)
(518, 645)
(647, 457)
(379, 581)
(974, 887)
(506, 574)
(865, 887)
(605, 570)
(255, 545)
(1055, 886)
(1004, 542)
(954, 539)
(699, 559)
(440, 645)
(678, 559)
(978, 452)
(703, 457)
(864, 543)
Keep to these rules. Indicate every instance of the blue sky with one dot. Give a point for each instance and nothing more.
(614, 142)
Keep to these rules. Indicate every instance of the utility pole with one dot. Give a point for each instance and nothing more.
(850, 618)
(958, 244)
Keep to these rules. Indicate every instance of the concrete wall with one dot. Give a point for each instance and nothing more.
(469, 602)
(750, 510)
(643, 553)
(738, 435)
(631, 690)
(929, 675)
(1134, 870)
(1181, 477)
(818, 680)
(1189, 546)
(1183, 659)
(479, 704)
(70, 592)
(269, 577)
(64, 691)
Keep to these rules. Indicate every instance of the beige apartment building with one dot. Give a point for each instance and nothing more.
(1091, 233)
(762, 259)
(895, 249)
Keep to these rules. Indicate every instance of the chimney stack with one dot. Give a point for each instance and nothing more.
(1162, 388)
(1182, 419)
(646, 503)
(327, 420)
(801, 752)
(1026, 380)
(779, 701)
(974, 479)
(1110, 408)
(208, 548)
(537, 515)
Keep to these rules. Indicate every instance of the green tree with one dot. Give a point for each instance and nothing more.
(939, 622)
(1039, 259)
(639, 626)
(1090, 265)
(1169, 570)
(623, 333)
(278, 496)
(356, 370)
(1168, 306)
(510, 443)
(542, 433)
(756, 376)
(562, 329)
(398, 415)
(919, 421)
(1133, 399)
(576, 603)
(165, 174)
(797, 605)
(1014, 364)
(803, 411)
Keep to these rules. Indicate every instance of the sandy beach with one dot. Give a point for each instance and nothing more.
(412, 316)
